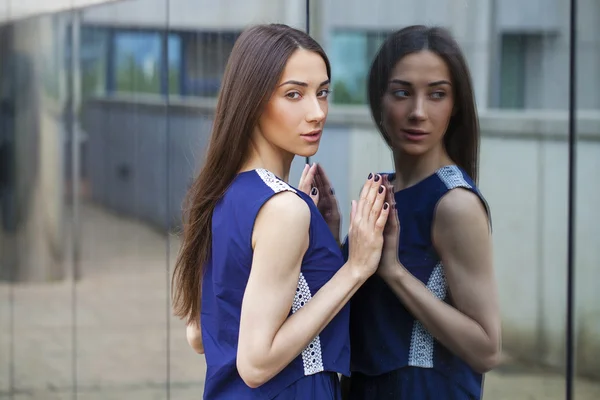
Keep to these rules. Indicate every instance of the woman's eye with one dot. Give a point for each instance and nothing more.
(400, 93)
(293, 95)
(324, 93)
(438, 95)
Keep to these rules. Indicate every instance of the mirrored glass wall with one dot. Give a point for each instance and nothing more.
(105, 113)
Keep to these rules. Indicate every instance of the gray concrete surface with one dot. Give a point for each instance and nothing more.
(120, 346)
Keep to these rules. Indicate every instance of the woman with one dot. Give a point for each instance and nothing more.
(272, 282)
(427, 325)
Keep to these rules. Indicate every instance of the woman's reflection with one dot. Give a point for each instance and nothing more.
(427, 324)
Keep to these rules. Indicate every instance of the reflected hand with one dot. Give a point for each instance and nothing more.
(328, 205)
(314, 182)
(391, 233)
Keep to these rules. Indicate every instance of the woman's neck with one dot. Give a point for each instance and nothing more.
(270, 158)
(410, 170)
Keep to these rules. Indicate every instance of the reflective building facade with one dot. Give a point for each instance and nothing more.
(105, 112)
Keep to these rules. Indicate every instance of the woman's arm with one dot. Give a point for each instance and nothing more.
(471, 329)
(194, 337)
(269, 340)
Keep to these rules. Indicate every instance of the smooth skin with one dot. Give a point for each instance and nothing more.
(419, 97)
(193, 335)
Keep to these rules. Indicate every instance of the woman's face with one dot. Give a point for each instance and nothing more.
(418, 103)
(295, 114)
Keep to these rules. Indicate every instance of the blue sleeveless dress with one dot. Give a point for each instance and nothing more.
(313, 374)
(393, 355)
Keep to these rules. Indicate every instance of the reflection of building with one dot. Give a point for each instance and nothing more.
(518, 51)
(127, 60)
(140, 152)
(518, 60)
(134, 53)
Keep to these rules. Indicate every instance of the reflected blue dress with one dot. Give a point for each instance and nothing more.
(393, 355)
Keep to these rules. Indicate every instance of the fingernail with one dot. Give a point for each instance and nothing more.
(332, 191)
(377, 178)
(381, 189)
(370, 176)
(385, 206)
(314, 191)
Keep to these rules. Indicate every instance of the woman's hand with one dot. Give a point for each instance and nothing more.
(367, 223)
(307, 182)
(328, 205)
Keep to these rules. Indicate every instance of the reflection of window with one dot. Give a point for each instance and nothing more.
(206, 55)
(137, 62)
(512, 71)
(93, 56)
(351, 54)
(174, 64)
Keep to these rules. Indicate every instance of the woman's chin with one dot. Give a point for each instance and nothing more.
(308, 151)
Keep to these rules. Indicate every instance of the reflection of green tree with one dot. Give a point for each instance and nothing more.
(92, 79)
(173, 79)
(52, 84)
(131, 78)
(343, 95)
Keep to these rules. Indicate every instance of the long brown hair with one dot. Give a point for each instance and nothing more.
(253, 70)
(462, 136)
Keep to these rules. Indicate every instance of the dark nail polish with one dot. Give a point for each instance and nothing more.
(314, 191)
(377, 177)
(385, 206)
(370, 176)
(380, 189)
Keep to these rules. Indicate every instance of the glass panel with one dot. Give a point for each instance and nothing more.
(124, 72)
(36, 333)
(96, 156)
(207, 36)
(517, 55)
(524, 174)
(6, 180)
(139, 152)
(587, 214)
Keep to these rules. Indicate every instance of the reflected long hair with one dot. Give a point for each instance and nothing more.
(253, 71)
(461, 140)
